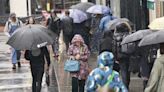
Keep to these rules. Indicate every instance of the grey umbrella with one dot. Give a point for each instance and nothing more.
(112, 24)
(30, 37)
(82, 6)
(137, 36)
(154, 38)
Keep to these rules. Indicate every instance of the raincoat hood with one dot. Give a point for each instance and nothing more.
(105, 59)
(77, 38)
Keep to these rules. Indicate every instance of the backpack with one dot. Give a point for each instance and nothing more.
(13, 27)
(54, 25)
(117, 48)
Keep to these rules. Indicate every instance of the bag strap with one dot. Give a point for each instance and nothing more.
(110, 79)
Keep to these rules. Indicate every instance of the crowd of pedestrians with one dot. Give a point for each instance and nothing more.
(114, 63)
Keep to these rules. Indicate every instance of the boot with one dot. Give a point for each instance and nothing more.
(14, 66)
(19, 64)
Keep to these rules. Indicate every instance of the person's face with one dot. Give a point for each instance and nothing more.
(13, 19)
(31, 20)
(78, 43)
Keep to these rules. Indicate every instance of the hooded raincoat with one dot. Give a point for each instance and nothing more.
(73, 50)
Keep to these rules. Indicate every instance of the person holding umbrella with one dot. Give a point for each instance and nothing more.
(37, 62)
(156, 81)
(67, 26)
(54, 24)
(10, 27)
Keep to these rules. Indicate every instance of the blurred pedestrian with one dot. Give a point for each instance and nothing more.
(54, 24)
(10, 27)
(104, 77)
(121, 31)
(37, 63)
(156, 80)
(30, 20)
(148, 55)
(95, 33)
(106, 42)
(103, 26)
(67, 26)
(79, 51)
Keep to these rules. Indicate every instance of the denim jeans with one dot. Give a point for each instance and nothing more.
(15, 55)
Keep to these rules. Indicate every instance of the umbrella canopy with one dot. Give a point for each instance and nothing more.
(112, 24)
(99, 9)
(136, 36)
(30, 37)
(82, 6)
(157, 23)
(154, 38)
(77, 15)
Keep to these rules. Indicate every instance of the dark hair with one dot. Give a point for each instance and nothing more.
(123, 27)
(67, 12)
(162, 48)
(28, 21)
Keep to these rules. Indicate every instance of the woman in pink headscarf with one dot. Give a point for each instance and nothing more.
(79, 51)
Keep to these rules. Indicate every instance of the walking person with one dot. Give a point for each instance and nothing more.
(37, 63)
(79, 51)
(10, 27)
(67, 27)
(95, 33)
(156, 80)
(104, 76)
(54, 24)
(121, 31)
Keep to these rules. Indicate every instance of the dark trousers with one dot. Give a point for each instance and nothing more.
(67, 39)
(77, 85)
(125, 73)
(37, 74)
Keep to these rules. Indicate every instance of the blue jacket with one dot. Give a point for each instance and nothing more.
(103, 26)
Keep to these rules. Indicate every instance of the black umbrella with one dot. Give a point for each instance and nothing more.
(154, 38)
(30, 37)
(137, 36)
(112, 24)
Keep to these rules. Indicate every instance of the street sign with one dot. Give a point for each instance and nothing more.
(150, 4)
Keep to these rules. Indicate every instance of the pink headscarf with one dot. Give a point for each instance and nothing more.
(77, 38)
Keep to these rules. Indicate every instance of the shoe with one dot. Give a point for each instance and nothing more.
(14, 66)
(19, 64)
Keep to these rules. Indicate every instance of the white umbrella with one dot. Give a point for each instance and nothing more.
(99, 9)
(78, 15)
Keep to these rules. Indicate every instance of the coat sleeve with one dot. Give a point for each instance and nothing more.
(154, 77)
(6, 29)
(85, 54)
(47, 55)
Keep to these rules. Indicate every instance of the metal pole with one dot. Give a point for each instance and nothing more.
(63, 4)
(29, 7)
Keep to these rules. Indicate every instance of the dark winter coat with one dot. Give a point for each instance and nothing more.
(38, 60)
